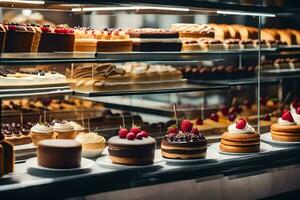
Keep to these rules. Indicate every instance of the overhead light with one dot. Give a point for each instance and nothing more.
(26, 12)
(245, 13)
(21, 1)
(88, 9)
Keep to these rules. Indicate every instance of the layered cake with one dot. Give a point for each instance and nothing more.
(85, 40)
(6, 156)
(113, 40)
(150, 39)
(36, 38)
(190, 45)
(59, 154)
(193, 30)
(17, 133)
(18, 38)
(187, 143)
(286, 129)
(133, 147)
(231, 44)
(48, 39)
(209, 44)
(92, 144)
(240, 138)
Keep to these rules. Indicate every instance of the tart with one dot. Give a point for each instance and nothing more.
(204, 129)
(214, 122)
(240, 138)
(187, 143)
(286, 129)
(132, 147)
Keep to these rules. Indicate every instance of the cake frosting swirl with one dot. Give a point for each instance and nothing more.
(86, 138)
(41, 128)
(247, 129)
(63, 126)
(76, 126)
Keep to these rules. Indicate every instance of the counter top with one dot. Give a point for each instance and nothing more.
(33, 185)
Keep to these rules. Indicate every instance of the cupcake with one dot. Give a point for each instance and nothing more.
(77, 127)
(92, 144)
(64, 130)
(41, 132)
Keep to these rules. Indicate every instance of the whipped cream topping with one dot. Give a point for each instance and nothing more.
(41, 128)
(247, 129)
(63, 127)
(285, 122)
(76, 126)
(296, 117)
(292, 109)
(91, 137)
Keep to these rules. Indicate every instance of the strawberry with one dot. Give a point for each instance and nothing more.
(298, 110)
(199, 121)
(241, 123)
(123, 132)
(172, 129)
(144, 134)
(135, 129)
(130, 136)
(287, 116)
(195, 131)
(45, 29)
(224, 110)
(284, 111)
(186, 125)
(214, 117)
(12, 27)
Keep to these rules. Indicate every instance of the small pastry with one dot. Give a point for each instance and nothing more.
(41, 132)
(64, 130)
(92, 144)
(77, 127)
(213, 121)
(204, 129)
(241, 137)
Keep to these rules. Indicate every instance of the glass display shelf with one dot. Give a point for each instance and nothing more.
(158, 90)
(27, 92)
(86, 57)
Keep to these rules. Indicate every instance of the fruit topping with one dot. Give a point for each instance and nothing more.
(199, 121)
(195, 131)
(224, 110)
(186, 125)
(287, 116)
(123, 132)
(241, 123)
(284, 111)
(135, 129)
(214, 117)
(298, 110)
(172, 129)
(139, 136)
(144, 134)
(231, 117)
(130, 136)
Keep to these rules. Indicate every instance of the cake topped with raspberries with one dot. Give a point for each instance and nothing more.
(186, 143)
(131, 147)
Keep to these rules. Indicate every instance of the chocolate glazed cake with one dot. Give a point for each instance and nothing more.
(131, 152)
(148, 39)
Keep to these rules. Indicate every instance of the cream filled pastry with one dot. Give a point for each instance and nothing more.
(241, 137)
(41, 132)
(286, 129)
(64, 130)
(92, 144)
(77, 127)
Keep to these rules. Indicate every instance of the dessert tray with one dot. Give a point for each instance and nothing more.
(105, 162)
(264, 148)
(267, 138)
(86, 165)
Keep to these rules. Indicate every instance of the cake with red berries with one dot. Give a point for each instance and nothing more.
(2, 37)
(133, 147)
(18, 38)
(215, 122)
(203, 128)
(186, 143)
(47, 40)
(64, 38)
(241, 137)
(286, 129)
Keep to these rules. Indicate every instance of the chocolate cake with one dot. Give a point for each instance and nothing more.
(47, 41)
(2, 37)
(132, 147)
(59, 154)
(149, 39)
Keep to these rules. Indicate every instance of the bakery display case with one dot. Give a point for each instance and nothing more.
(148, 96)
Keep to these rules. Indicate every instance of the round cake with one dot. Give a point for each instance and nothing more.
(240, 138)
(187, 143)
(132, 147)
(59, 154)
(287, 129)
